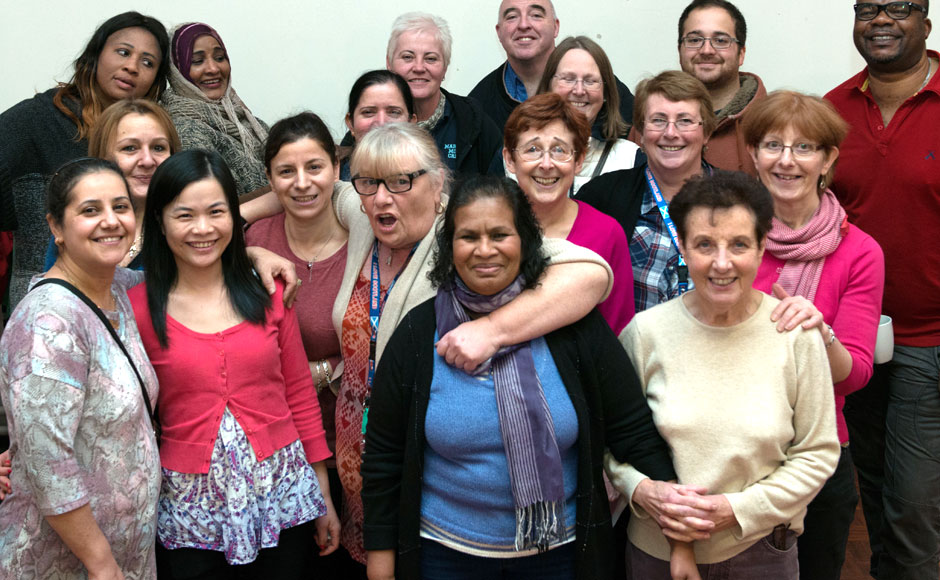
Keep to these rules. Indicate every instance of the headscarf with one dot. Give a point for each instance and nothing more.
(227, 115)
(805, 249)
(535, 468)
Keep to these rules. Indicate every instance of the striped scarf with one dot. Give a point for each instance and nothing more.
(535, 470)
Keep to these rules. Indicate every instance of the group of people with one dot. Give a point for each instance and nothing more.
(467, 339)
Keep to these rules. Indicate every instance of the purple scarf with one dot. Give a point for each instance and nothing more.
(535, 470)
(183, 41)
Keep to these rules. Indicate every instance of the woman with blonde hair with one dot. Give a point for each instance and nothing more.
(137, 135)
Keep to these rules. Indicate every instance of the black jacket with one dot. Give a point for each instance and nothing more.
(491, 93)
(619, 194)
(608, 401)
(479, 141)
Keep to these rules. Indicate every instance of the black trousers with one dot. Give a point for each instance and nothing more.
(291, 559)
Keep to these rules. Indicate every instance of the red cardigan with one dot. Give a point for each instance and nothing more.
(259, 371)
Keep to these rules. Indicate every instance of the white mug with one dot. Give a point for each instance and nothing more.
(884, 344)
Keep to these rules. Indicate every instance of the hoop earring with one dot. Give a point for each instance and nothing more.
(362, 208)
(440, 207)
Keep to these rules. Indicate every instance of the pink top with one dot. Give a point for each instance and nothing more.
(259, 372)
(849, 298)
(321, 280)
(601, 233)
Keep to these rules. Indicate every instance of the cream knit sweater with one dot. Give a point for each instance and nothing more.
(747, 412)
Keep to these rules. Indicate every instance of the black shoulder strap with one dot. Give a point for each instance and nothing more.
(600, 163)
(107, 324)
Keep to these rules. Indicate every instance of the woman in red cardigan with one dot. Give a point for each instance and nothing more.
(242, 444)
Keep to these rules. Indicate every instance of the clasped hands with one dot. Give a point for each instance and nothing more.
(685, 513)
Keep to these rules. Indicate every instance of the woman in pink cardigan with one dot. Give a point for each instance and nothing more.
(242, 443)
(829, 274)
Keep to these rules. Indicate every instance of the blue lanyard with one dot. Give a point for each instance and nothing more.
(682, 269)
(376, 303)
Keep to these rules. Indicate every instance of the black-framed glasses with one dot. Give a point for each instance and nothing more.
(718, 42)
(559, 153)
(399, 183)
(683, 125)
(799, 150)
(895, 10)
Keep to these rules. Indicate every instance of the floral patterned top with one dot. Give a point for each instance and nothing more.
(350, 404)
(79, 433)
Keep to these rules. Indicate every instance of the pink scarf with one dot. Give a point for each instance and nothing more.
(805, 249)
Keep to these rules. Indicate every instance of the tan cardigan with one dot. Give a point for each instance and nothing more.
(413, 286)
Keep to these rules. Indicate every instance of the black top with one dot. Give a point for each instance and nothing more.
(608, 401)
(618, 194)
(479, 143)
(491, 93)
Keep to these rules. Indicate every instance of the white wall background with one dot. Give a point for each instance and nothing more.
(291, 55)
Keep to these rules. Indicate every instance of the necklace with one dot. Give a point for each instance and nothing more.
(926, 78)
(312, 260)
(135, 248)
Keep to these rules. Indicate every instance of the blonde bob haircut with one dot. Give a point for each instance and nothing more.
(399, 148)
(675, 86)
(813, 118)
(421, 22)
(102, 136)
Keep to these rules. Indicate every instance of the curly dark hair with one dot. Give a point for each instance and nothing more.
(724, 190)
(532, 262)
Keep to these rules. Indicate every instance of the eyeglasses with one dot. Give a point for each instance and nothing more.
(798, 150)
(683, 125)
(896, 10)
(393, 184)
(570, 82)
(718, 42)
(559, 153)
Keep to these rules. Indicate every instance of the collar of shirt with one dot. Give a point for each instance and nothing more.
(514, 85)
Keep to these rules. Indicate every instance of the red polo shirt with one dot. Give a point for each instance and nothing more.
(888, 180)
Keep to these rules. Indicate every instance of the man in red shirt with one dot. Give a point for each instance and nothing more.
(888, 180)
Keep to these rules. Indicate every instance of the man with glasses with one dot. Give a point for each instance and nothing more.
(888, 181)
(527, 29)
(712, 34)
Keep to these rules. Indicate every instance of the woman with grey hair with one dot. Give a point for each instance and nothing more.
(402, 187)
(419, 50)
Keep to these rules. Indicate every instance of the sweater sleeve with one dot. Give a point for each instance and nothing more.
(560, 251)
(345, 202)
(300, 393)
(624, 476)
(631, 434)
(856, 322)
(811, 457)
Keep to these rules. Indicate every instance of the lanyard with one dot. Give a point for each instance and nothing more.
(682, 269)
(376, 303)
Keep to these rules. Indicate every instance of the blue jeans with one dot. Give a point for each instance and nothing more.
(821, 546)
(760, 561)
(438, 562)
(895, 434)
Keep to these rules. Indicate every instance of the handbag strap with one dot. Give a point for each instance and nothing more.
(600, 162)
(107, 324)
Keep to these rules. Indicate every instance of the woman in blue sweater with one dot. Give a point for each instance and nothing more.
(497, 474)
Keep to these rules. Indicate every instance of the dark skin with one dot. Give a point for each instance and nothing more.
(896, 53)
